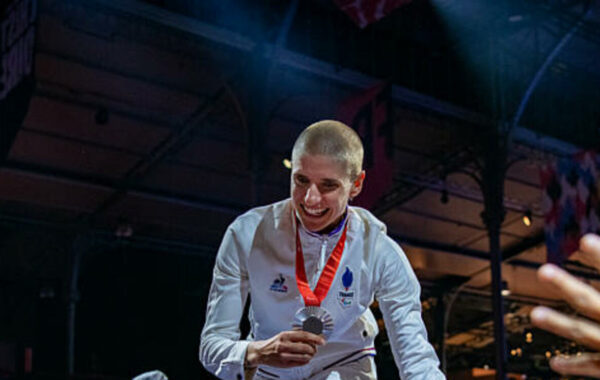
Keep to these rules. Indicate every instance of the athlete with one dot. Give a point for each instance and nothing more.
(313, 265)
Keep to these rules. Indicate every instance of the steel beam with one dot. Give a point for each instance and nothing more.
(323, 69)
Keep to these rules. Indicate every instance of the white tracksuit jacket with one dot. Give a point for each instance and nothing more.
(257, 255)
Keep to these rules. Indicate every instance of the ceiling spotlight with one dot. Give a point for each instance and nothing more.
(527, 218)
(528, 337)
(444, 198)
(287, 163)
(505, 290)
(515, 18)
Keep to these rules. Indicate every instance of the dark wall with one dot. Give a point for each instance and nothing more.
(141, 311)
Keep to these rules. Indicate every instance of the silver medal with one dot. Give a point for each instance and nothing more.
(313, 319)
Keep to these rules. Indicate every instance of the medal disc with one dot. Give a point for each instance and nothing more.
(313, 325)
(315, 320)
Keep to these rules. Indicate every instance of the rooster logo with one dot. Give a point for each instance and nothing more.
(278, 285)
(347, 278)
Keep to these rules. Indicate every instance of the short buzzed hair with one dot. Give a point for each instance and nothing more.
(334, 139)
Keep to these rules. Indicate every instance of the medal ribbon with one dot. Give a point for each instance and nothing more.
(314, 298)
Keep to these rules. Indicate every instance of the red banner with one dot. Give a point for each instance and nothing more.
(370, 115)
(365, 12)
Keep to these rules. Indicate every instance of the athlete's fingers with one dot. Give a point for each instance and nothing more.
(296, 347)
(582, 297)
(291, 359)
(587, 364)
(286, 349)
(589, 251)
(304, 336)
(580, 330)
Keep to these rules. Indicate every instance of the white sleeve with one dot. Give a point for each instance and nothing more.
(398, 293)
(221, 351)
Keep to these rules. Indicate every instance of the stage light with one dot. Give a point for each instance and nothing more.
(527, 218)
(505, 290)
(287, 163)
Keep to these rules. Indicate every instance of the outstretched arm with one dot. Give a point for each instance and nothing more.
(398, 293)
(221, 350)
(583, 298)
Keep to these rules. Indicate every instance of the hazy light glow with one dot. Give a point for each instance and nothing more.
(527, 218)
(287, 163)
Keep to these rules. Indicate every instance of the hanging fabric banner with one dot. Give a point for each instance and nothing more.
(17, 42)
(370, 114)
(365, 12)
(570, 203)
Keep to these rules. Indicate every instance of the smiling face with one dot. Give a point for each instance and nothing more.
(320, 189)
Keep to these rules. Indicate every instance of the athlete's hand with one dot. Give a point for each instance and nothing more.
(286, 349)
(583, 298)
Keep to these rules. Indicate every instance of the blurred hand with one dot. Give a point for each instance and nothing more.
(583, 298)
(286, 349)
